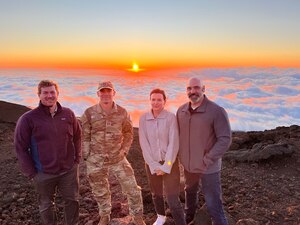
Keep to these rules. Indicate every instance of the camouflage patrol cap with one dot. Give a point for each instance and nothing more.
(105, 84)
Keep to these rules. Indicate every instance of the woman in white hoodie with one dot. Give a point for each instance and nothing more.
(158, 135)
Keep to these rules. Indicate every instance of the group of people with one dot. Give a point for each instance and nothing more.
(50, 143)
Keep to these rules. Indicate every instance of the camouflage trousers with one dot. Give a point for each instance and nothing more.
(98, 178)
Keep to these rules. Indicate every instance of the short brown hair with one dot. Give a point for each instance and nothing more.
(158, 91)
(47, 83)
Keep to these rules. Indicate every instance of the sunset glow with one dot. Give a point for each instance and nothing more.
(109, 34)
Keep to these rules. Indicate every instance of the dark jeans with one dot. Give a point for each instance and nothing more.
(170, 183)
(68, 186)
(211, 188)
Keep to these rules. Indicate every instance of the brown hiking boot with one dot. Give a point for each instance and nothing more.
(104, 220)
(138, 220)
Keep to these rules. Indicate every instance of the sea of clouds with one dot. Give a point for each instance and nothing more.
(255, 98)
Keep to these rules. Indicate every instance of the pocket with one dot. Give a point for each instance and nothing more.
(127, 168)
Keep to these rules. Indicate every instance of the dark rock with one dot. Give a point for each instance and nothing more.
(247, 222)
(267, 190)
(260, 152)
(11, 112)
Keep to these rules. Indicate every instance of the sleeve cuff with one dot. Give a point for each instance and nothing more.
(167, 167)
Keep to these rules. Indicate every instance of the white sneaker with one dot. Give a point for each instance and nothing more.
(160, 220)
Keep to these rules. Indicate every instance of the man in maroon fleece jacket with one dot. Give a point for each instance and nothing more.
(48, 148)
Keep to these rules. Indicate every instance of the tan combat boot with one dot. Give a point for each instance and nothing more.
(104, 220)
(138, 220)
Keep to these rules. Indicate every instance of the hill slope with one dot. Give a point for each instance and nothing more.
(259, 183)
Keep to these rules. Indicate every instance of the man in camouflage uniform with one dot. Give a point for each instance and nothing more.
(107, 137)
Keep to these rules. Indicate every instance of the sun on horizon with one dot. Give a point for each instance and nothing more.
(135, 68)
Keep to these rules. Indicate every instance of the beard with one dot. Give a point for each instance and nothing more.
(49, 101)
(194, 98)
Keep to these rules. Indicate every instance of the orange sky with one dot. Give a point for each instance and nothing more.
(106, 35)
(148, 63)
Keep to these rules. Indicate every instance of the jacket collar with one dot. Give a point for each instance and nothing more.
(46, 109)
(162, 115)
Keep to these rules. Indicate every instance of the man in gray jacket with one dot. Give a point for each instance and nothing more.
(204, 136)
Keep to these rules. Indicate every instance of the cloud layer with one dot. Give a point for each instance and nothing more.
(255, 98)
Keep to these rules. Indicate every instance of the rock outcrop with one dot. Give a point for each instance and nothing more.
(258, 146)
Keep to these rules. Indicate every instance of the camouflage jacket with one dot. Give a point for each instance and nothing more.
(106, 137)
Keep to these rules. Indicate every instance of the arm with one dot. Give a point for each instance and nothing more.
(22, 147)
(127, 131)
(223, 134)
(86, 134)
(145, 146)
(173, 145)
(77, 138)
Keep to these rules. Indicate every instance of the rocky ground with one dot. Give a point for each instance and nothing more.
(260, 178)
